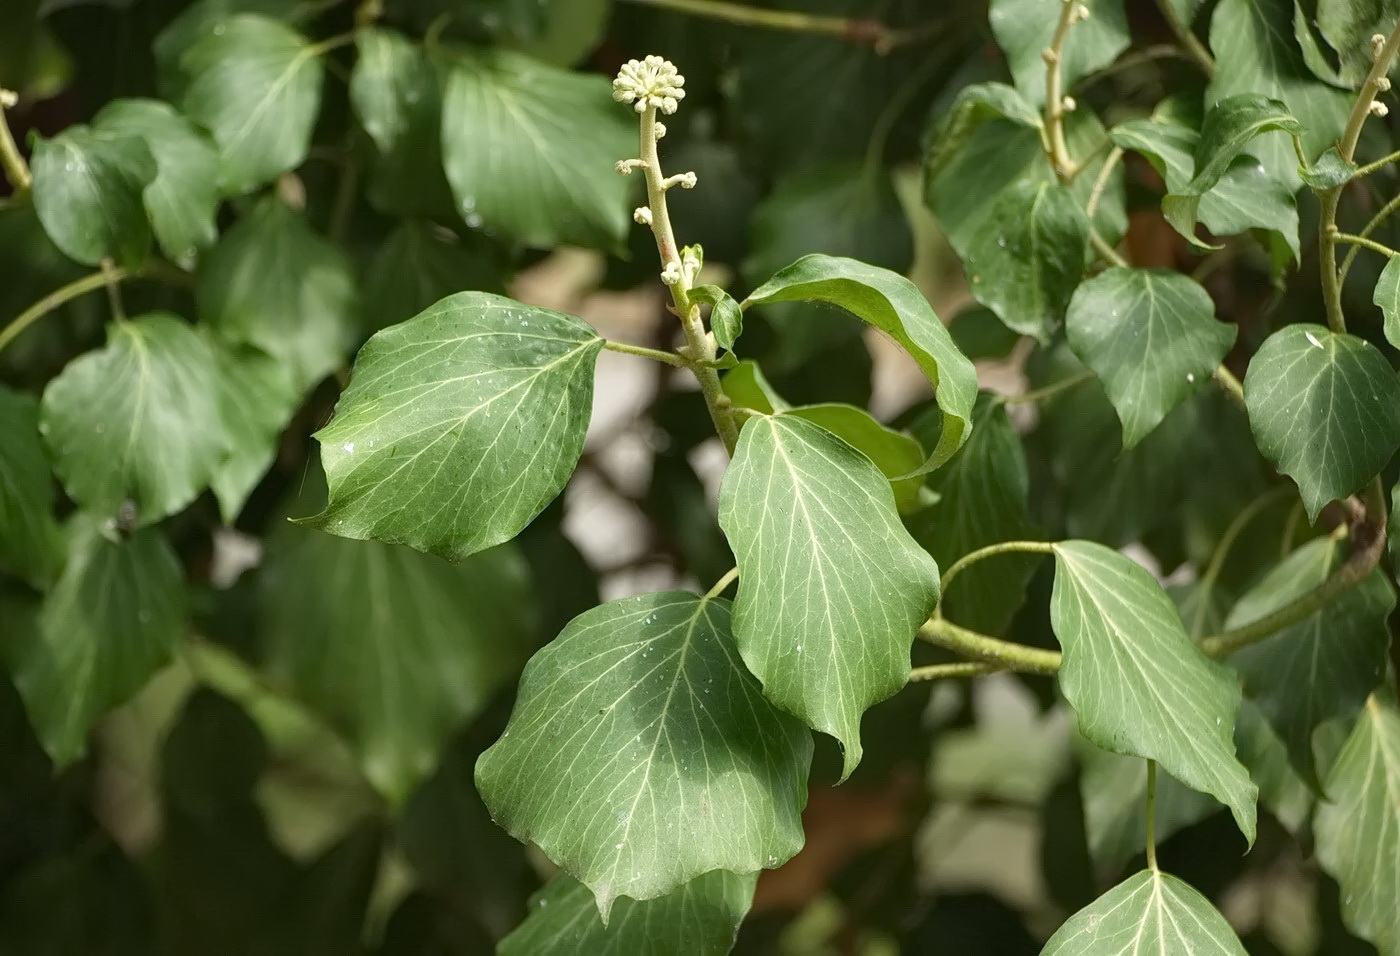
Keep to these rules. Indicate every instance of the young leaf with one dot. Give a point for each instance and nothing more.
(1024, 28)
(1358, 832)
(1229, 126)
(257, 398)
(113, 618)
(725, 318)
(641, 754)
(397, 94)
(1387, 297)
(136, 420)
(459, 425)
(700, 917)
(1329, 171)
(530, 149)
(255, 83)
(894, 453)
(1150, 911)
(1152, 338)
(31, 544)
(399, 648)
(1137, 683)
(1028, 255)
(274, 284)
(895, 306)
(831, 586)
(183, 199)
(984, 498)
(1325, 410)
(1323, 667)
(87, 191)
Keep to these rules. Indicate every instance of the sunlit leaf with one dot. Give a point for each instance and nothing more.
(1150, 912)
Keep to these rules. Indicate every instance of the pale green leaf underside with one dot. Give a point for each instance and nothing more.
(459, 425)
(1151, 336)
(700, 917)
(1324, 409)
(642, 754)
(1149, 914)
(1358, 833)
(137, 419)
(1137, 683)
(831, 586)
(115, 616)
(1321, 667)
(255, 84)
(399, 648)
(894, 305)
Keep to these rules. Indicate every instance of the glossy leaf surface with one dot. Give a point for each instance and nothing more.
(1150, 912)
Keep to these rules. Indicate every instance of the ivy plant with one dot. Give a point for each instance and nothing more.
(1065, 630)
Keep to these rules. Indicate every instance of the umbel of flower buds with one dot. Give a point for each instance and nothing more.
(653, 82)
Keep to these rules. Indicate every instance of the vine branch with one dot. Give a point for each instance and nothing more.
(860, 30)
(16, 169)
(955, 669)
(88, 283)
(1056, 103)
(656, 355)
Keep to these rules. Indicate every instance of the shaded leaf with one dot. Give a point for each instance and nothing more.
(1137, 683)
(114, 617)
(895, 306)
(1325, 410)
(1387, 297)
(274, 284)
(182, 200)
(1114, 791)
(747, 387)
(136, 420)
(31, 544)
(700, 917)
(255, 84)
(894, 453)
(459, 425)
(1152, 338)
(1150, 911)
(1358, 832)
(1348, 26)
(1024, 28)
(1281, 790)
(529, 149)
(1323, 667)
(641, 754)
(87, 191)
(831, 586)
(417, 265)
(257, 398)
(974, 105)
(1028, 255)
(983, 492)
(399, 648)
(979, 334)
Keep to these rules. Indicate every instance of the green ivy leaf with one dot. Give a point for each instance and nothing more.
(274, 284)
(1323, 667)
(136, 420)
(399, 648)
(1028, 255)
(257, 398)
(1137, 683)
(1387, 297)
(831, 586)
(182, 200)
(984, 498)
(1024, 28)
(417, 265)
(255, 83)
(894, 453)
(31, 544)
(1152, 338)
(1358, 832)
(1246, 197)
(396, 92)
(1256, 53)
(747, 387)
(979, 334)
(1325, 410)
(1150, 911)
(1230, 124)
(114, 617)
(87, 191)
(459, 425)
(726, 320)
(895, 306)
(1288, 798)
(641, 754)
(530, 149)
(1329, 171)
(700, 917)
(974, 105)
(1348, 25)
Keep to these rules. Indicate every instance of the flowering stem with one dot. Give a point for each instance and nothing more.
(10, 157)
